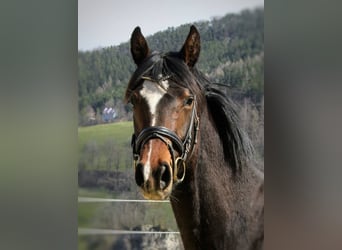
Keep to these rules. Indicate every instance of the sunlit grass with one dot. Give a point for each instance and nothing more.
(120, 132)
(102, 143)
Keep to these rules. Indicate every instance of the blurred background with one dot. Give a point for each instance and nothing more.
(39, 125)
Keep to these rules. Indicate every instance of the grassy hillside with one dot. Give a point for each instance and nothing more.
(105, 146)
(121, 132)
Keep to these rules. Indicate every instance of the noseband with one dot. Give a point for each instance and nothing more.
(172, 141)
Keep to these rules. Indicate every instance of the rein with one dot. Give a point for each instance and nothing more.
(172, 141)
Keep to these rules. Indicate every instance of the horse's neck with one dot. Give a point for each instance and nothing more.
(211, 199)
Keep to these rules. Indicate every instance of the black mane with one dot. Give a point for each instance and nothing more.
(157, 66)
(236, 144)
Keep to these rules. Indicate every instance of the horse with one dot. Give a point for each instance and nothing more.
(188, 147)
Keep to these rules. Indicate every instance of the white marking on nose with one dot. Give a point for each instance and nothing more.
(153, 93)
(147, 167)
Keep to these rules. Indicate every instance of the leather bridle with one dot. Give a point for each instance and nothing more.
(173, 142)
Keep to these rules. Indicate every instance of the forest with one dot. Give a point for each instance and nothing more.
(232, 54)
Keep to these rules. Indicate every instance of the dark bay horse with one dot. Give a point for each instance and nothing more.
(188, 147)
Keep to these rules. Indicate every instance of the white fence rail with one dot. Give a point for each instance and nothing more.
(89, 199)
(96, 231)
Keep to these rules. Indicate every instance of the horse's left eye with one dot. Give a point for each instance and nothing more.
(189, 101)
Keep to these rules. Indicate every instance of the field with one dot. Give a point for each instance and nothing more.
(105, 146)
(95, 142)
(120, 132)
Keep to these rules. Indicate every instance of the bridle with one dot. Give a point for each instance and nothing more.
(173, 142)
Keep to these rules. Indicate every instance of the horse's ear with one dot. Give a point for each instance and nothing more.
(139, 47)
(192, 47)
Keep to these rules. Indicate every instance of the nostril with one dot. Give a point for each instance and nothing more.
(139, 174)
(165, 176)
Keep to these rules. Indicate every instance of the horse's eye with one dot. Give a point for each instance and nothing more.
(189, 101)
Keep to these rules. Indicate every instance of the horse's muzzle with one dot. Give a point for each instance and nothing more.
(156, 183)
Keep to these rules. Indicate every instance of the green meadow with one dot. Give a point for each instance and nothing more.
(105, 146)
(120, 132)
(97, 144)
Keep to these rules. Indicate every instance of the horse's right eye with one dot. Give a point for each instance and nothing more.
(189, 101)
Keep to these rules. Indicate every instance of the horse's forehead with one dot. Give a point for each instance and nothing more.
(153, 93)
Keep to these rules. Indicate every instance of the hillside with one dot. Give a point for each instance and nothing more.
(232, 54)
(105, 146)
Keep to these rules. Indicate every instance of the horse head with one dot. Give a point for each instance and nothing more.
(162, 92)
